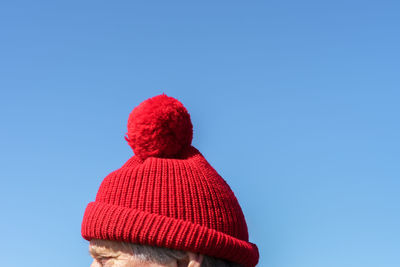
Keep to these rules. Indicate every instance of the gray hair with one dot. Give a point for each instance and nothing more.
(165, 255)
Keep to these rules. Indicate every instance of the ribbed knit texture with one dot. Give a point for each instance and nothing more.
(167, 194)
(175, 203)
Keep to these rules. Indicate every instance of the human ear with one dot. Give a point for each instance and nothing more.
(195, 259)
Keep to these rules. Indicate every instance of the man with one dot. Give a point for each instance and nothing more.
(166, 205)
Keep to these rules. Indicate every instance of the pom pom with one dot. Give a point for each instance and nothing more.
(159, 127)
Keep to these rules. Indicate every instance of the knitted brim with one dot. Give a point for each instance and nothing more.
(110, 222)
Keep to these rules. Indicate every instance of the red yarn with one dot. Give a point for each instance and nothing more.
(160, 127)
(167, 202)
(180, 204)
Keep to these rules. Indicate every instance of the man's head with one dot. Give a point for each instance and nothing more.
(107, 253)
(119, 254)
(167, 196)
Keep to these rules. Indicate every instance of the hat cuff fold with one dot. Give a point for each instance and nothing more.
(111, 222)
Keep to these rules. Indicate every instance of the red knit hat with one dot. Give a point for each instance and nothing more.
(167, 194)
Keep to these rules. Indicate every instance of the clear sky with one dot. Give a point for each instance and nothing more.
(294, 103)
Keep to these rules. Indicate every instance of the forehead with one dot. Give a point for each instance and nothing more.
(106, 248)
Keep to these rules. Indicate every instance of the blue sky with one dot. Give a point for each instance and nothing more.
(294, 103)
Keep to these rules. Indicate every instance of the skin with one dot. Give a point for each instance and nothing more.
(110, 254)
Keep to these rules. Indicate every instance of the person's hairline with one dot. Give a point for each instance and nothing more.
(119, 247)
(103, 248)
